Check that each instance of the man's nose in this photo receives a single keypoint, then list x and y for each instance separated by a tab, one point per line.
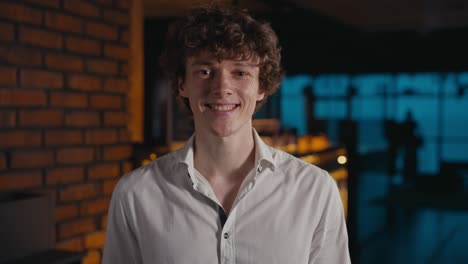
222	84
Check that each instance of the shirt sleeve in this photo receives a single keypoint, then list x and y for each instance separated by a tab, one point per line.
121	245
330	240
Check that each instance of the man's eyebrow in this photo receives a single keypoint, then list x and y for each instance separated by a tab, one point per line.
245	63
201	62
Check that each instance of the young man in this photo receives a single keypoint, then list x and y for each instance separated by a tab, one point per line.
225	197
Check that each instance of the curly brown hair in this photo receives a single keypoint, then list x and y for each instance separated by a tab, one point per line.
227	33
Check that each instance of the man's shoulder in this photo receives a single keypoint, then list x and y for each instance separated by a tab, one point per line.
147	175
287	160
304	171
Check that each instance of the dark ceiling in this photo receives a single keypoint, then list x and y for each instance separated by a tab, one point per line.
367	15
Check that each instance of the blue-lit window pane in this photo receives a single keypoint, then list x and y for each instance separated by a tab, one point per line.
428	158
420	84
368	108
456	118
455	151
371	136
293	115
330	85
372	85
330	109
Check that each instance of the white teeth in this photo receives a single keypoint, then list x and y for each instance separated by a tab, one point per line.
222	107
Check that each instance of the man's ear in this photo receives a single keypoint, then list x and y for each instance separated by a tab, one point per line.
260	96
181	87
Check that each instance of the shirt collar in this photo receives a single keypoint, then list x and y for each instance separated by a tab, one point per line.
263	154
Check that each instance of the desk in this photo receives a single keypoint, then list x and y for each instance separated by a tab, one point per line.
51	256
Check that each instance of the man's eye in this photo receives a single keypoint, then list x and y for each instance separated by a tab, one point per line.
204	73
241	73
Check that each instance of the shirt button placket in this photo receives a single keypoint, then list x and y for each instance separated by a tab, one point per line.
226	248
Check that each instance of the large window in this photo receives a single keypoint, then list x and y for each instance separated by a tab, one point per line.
436	102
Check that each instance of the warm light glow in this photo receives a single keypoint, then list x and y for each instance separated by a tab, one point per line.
342	159
153	156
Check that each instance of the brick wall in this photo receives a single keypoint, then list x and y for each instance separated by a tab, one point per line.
63	109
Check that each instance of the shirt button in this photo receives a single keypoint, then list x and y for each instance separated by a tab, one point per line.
226	235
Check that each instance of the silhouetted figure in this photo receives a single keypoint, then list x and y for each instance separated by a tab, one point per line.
410	142
394	141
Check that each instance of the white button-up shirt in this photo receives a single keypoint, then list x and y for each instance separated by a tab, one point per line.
287	211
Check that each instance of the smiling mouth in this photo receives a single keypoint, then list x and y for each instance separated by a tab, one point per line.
223	107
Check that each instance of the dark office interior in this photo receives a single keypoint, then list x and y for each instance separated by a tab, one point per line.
382	85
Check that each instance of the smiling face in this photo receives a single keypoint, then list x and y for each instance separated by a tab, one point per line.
222	94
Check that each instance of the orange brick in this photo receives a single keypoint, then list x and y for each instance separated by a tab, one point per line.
103	171
82	119
93	207
49	3
20	180
68	100
116	17
104	221
48	118
65	175
124	135
95	240
39	37
20	56
116	52
41	79
79	192
63	22
103	67
115	118
81	7
63	137
20	138
93	257
7	32
77	227
108	186
64	62
124	4
19	13
74	244
101	31
106	101
83	46
117	152
84	82
101	136
65	212
75	155
116	85
7	76
127	167
7	119
32	159
3	162
22	98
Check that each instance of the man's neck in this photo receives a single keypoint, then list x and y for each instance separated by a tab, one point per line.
229	158
225	162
